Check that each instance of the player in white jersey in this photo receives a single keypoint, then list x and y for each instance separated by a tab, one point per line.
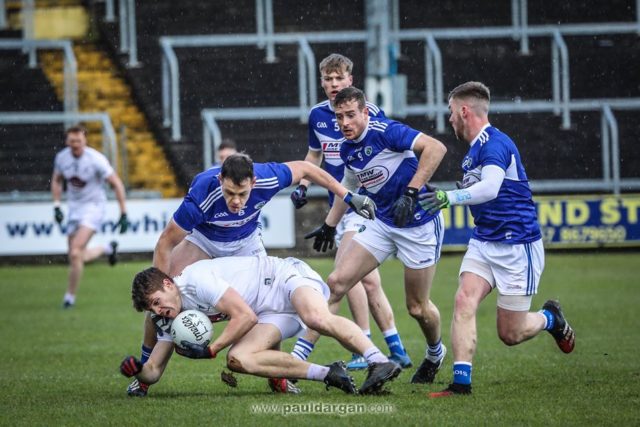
381	159
265	300
220	215
85	171
505	251
325	140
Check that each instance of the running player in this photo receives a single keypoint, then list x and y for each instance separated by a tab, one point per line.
505	251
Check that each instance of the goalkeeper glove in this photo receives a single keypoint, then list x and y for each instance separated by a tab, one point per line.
195	351
299	196
324	236
434	200
403	207
362	205
123	223
130	366
58	215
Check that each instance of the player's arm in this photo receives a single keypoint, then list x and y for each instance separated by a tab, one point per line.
153	369
303	170
169	239
491	179
315	158
118	188
56	193
241	320
430	151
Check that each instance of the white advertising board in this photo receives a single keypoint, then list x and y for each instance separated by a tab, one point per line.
29	228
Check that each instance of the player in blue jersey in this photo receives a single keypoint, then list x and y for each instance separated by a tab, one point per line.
505	251
381	159
220	216
325	140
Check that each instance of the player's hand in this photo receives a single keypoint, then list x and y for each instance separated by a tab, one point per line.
434	200
403	207
123	223
58	215
299	196
194	351
362	205
130	366
324	236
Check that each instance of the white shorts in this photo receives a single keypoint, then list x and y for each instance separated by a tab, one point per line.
88	214
249	246
350	222
514	269
288	275
417	247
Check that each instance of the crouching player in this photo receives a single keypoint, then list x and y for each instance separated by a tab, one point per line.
266	300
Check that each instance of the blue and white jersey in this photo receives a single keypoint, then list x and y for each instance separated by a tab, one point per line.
511	216
384	163
205	209
325	136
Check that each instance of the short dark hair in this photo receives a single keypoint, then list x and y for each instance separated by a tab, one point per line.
227	143
75	129
237	167
336	62
144	284
349	94
471	90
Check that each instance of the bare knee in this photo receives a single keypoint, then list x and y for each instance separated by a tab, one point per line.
76	253
417	309
239	362
337	284
316	322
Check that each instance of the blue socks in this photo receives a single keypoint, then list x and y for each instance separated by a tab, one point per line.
462	373
302	349
551	320
145	353
394	343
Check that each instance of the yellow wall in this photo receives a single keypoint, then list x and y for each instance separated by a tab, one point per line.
61	22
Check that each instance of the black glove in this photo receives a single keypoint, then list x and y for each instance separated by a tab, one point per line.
58	215
324	236
299	196
130	366
403	207
194	351
123	223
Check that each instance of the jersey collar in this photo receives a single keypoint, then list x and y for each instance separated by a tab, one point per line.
479	133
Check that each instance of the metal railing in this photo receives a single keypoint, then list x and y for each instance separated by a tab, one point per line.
110	142
306	73
610	145
70	65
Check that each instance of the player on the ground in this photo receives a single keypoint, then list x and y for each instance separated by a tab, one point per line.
325	140
265	300
85	171
381	158
505	251
220	217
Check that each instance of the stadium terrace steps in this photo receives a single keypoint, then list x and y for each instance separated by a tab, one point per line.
239	76
101	88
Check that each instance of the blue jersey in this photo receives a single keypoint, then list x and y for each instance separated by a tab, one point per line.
511	216
384	163
325	136
205	210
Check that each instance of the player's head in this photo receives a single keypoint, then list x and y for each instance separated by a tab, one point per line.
226	148
153	290
76	138
236	180
335	74
469	109
351	112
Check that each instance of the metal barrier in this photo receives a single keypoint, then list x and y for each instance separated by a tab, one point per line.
70	65
611	180
110	145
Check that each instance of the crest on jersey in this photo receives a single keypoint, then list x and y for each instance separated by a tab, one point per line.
368	150
260	205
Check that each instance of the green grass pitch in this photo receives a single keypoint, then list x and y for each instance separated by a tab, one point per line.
60	367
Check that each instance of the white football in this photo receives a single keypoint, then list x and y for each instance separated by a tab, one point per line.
192	326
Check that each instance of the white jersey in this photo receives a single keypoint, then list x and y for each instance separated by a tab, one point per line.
85	175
